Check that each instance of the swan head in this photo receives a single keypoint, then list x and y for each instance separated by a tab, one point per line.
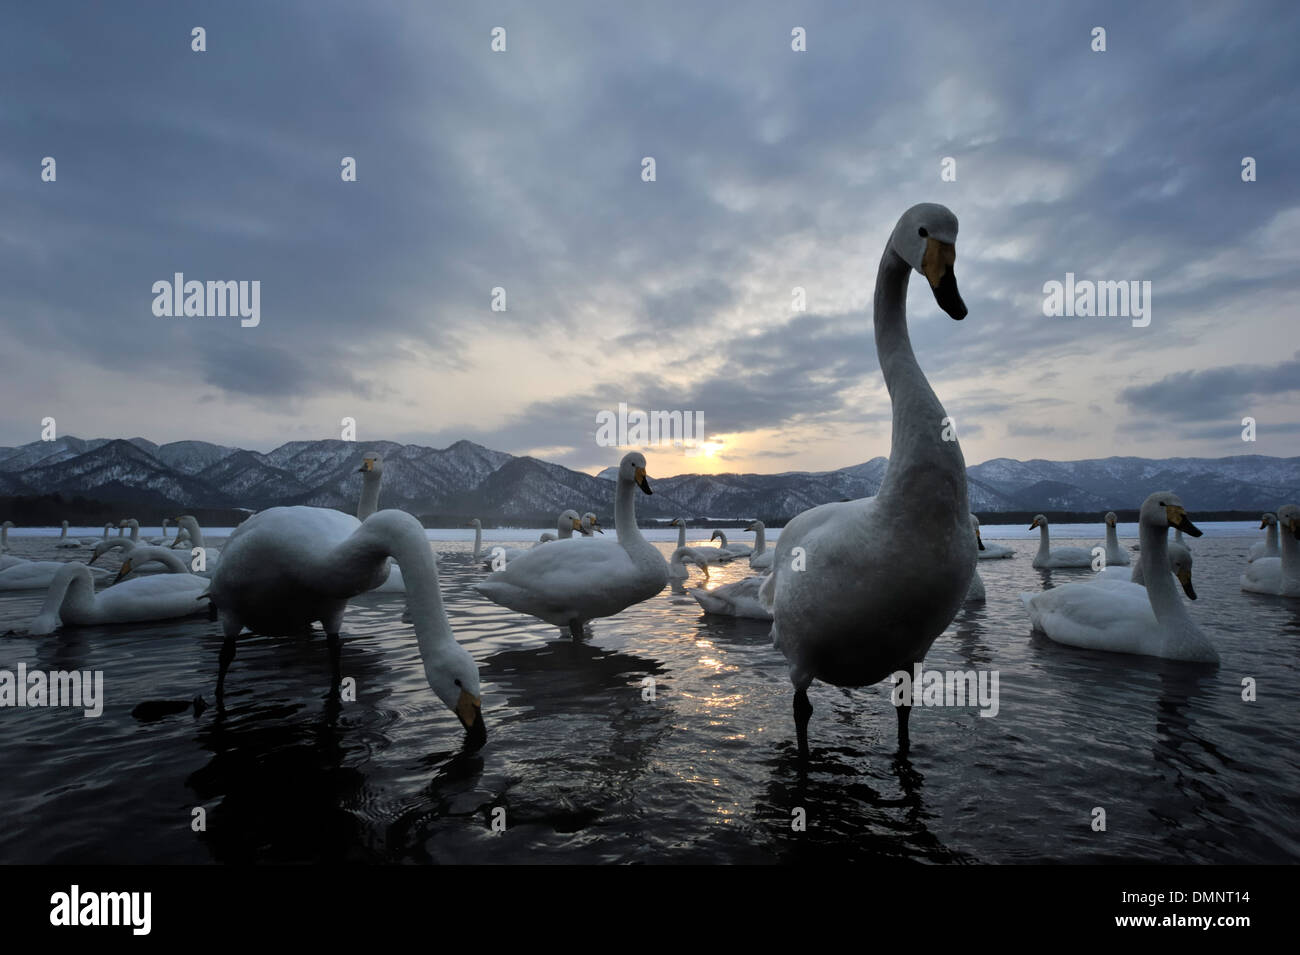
570	518
1111	518
8	524
975	526
1165	509
677	522
715	535
454	678
1268	520
926	239
755	527
474	523
1288	519
372	463
591	524
1180	562
1039	520
632	470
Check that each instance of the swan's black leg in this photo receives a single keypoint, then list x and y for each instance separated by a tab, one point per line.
802	711
575	629
336	671
227	658
904	714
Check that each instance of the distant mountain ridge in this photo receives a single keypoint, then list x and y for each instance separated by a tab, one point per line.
467	479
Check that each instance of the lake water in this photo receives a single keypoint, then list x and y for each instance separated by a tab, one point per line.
588	771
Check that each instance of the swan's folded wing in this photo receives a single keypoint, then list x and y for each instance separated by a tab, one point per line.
562	566
1103	615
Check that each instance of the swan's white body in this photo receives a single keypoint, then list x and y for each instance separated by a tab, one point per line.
565	525
1114	553
714	555
72	600
569	582
1277	576
1268	547
1108	614
1048	557
34	574
739	599
124	544
990	551
878	579
189	537
66	541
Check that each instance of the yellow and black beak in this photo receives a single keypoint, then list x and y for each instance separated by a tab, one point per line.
1185	578
980	541
469	710
577	524
1178	518
366	465
1033	523
642	482
1263	524
936	265
123	572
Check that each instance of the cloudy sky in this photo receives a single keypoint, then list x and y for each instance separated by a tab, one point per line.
522	170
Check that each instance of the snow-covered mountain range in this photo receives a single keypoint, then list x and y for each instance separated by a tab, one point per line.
467	479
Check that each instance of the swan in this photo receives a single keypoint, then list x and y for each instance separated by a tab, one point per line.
286	567
1124	617
677	572
72	600
1114	553
478	537
145	554
571	582
188	532
876	580
66	541
565	525
1268	547
1061	556
163	541
739	599
761	558
740	550
372	473
6	562
990	551
35	574
714	555
132	523
124	544
1180	565
591	525
91	541
1278	575
564	529
976	590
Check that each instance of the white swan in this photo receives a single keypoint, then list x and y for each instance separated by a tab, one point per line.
1125	617
66	541
124	544
976	591
571	582
72	600
591	525
1061	556
144	555
1278	575
163	541
740	550
565	525
1268	547
189	534
677	572
1180	565
4	548
990	551
372	473
134	525
879	579
286	567
714	555
35	574
478	537
739	599
761	558
1114	553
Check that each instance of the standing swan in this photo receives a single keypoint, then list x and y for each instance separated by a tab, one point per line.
567	583
1125	617
1114	553
1047	558
878	579
286	567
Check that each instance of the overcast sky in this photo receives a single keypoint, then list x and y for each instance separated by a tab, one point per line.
522	169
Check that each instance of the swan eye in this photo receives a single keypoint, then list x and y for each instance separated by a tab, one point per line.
457	682
922	233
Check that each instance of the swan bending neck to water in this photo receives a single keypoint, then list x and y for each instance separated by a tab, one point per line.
145	554
880	578
72	600
1268	547
677	572
1279	576
286	567
1124	617
1114	553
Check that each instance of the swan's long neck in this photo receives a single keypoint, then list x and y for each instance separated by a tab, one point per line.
681	533
73	588
1112	540
400	536
760	540
1044	542
1290	563
4	536
164	528
64	535
921	463
478	538
1270	538
196	534
161	555
1161	591
722	540
107	528
369	502
629	535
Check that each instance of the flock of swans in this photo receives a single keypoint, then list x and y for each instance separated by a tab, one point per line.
855	590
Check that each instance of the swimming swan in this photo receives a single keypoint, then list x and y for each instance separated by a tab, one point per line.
567	583
976	592
761	558
1279	576
992	551
66	541
878	579
740	550
72	601
1124	617
1061	556
1114	553
739	599
1268	547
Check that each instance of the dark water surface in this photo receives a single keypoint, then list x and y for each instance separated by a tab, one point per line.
588	771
